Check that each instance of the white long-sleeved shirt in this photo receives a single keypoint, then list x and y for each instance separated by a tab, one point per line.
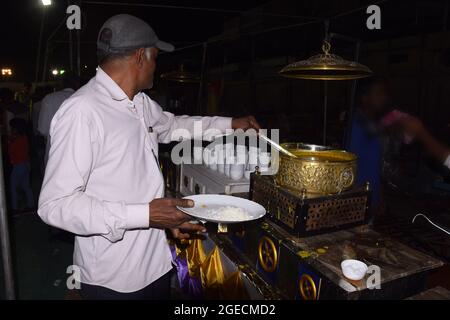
102	173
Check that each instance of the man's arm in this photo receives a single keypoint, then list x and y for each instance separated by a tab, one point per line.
63	202
415	127
195	127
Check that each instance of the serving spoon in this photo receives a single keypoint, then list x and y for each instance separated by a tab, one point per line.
268	140
277	146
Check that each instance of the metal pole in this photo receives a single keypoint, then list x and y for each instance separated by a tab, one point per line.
202	80
78	48
70	51
4	239
325	88
44	71
78	54
47	46
325	107
351	111
38	56
70	45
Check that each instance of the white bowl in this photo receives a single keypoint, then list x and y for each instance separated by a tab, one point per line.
354	269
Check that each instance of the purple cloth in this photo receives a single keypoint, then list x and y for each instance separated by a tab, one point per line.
195	289
189	285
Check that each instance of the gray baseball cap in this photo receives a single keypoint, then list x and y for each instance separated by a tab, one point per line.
124	32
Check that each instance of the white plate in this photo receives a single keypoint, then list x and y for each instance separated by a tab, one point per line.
205	203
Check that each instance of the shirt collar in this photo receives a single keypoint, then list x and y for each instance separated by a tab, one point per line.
113	89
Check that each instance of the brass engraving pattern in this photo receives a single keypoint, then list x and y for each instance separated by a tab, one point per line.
316	177
275	203
332	212
335	212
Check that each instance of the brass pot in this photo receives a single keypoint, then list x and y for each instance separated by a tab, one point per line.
317	169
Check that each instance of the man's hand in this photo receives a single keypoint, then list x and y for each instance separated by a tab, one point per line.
412	126
245	123
164	214
178	234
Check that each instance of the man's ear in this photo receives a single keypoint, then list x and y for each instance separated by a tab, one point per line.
140	56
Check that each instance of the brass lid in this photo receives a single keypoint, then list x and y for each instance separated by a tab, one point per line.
181	75
326	66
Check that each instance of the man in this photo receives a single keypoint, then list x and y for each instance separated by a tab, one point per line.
103	181
365	142
50	105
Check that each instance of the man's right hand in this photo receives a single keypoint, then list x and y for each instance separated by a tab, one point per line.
165	214
413	126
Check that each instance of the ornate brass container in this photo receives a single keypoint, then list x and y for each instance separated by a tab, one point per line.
317	169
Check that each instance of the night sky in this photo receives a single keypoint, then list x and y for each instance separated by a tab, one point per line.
21	19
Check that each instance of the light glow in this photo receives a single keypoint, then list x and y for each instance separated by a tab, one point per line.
46	2
6	72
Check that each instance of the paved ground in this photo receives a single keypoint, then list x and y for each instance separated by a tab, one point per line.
40	259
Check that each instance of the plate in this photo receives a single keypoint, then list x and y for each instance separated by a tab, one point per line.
207	204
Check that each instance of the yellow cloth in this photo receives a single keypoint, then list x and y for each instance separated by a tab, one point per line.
233	288
212	276
180	247
195	256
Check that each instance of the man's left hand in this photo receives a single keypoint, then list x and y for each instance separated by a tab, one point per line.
245	123
177	233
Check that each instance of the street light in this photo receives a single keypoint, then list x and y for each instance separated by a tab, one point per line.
58	72
45	3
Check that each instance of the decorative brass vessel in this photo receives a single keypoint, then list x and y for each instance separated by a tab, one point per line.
326	66
317	169
181	75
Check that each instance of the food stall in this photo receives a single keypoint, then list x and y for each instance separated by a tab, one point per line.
315	240
316	217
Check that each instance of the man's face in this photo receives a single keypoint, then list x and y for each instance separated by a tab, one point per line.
147	68
377	101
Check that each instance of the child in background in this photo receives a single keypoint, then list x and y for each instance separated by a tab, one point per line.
20	161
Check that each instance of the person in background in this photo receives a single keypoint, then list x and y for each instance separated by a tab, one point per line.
365	139
50	105
38	96
12	109
38	143
415	128
24	96
18	154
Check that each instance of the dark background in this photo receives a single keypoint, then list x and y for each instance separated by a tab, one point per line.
249	43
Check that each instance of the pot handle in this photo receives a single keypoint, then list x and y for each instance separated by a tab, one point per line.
345	179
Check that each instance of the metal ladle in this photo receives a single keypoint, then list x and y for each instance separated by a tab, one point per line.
277	146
